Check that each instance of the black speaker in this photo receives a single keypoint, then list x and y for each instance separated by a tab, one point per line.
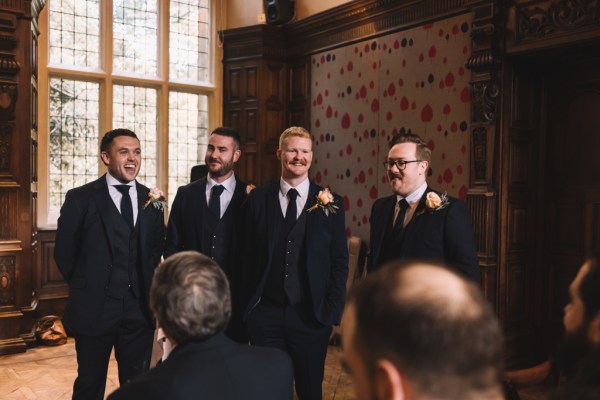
278	12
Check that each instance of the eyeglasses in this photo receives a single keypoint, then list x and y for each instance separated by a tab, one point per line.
400	164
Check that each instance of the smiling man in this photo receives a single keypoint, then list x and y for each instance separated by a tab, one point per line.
296	263
107	247
208	215
416	222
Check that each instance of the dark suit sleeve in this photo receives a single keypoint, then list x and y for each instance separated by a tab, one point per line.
338	259
459	241
372	241
174	242
68	235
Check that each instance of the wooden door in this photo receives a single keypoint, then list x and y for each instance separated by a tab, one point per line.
571	183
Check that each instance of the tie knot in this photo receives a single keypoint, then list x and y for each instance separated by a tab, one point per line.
124	189
403	204
217	190
293	194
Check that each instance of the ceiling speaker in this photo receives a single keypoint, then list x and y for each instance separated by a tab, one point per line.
278	12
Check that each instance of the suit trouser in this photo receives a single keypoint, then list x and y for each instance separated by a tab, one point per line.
293	329
128	331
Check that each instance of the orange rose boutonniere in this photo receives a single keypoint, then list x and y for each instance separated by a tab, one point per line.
157	198
326	201
435	202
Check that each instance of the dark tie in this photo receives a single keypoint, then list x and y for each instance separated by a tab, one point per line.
290	213
399	223
214	205
126	207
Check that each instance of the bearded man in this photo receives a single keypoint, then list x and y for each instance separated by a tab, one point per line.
208	215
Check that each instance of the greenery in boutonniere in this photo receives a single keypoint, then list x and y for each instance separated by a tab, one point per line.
157	198
326	201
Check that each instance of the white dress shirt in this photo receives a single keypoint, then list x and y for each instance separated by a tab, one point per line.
300	200
116	196
226	196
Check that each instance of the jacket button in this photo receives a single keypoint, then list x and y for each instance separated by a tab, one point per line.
106	287
109	266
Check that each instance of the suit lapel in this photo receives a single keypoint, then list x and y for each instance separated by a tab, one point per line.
386	217
416	217
273	207
239	195
142	219
107	214
313	191
197	205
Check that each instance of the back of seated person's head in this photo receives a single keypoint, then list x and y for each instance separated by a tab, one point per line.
430	326
190	297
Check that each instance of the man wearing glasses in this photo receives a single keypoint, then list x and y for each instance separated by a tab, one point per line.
416	222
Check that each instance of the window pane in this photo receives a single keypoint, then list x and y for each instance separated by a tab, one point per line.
135	108
189	39
73	144
74	32
135	33
188	137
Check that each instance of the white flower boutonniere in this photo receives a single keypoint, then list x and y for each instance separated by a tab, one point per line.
157	198
435	202
326	201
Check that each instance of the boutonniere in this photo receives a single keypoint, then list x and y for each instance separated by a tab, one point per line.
326	201
249	187
157	198
435	202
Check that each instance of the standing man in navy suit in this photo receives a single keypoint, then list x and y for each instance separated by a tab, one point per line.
208	215
416	222
296	263
108	241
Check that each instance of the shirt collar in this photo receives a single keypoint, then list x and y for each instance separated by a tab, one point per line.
228	184
112	181
301	188
415	196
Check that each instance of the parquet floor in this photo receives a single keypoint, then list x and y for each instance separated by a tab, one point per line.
48	373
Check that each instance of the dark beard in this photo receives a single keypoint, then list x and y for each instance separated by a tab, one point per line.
573	350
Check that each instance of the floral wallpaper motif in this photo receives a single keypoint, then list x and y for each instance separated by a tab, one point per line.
363	94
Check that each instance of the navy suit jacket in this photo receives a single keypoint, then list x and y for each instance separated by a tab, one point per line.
443	235
184	230
84	249
214	369
325	246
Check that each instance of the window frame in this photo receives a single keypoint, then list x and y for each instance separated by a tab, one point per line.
106	78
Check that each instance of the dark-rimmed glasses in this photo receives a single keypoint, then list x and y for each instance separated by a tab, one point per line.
400	164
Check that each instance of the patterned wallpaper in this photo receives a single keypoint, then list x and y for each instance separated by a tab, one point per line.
363	94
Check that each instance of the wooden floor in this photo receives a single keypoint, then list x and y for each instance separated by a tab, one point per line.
48	373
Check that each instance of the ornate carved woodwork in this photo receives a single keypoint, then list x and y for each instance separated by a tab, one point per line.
18	297
547	23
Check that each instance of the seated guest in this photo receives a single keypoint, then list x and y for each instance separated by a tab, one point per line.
421	331
191	301
578	357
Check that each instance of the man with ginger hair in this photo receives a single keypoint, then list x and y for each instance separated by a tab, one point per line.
420	331
296	263
417	222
